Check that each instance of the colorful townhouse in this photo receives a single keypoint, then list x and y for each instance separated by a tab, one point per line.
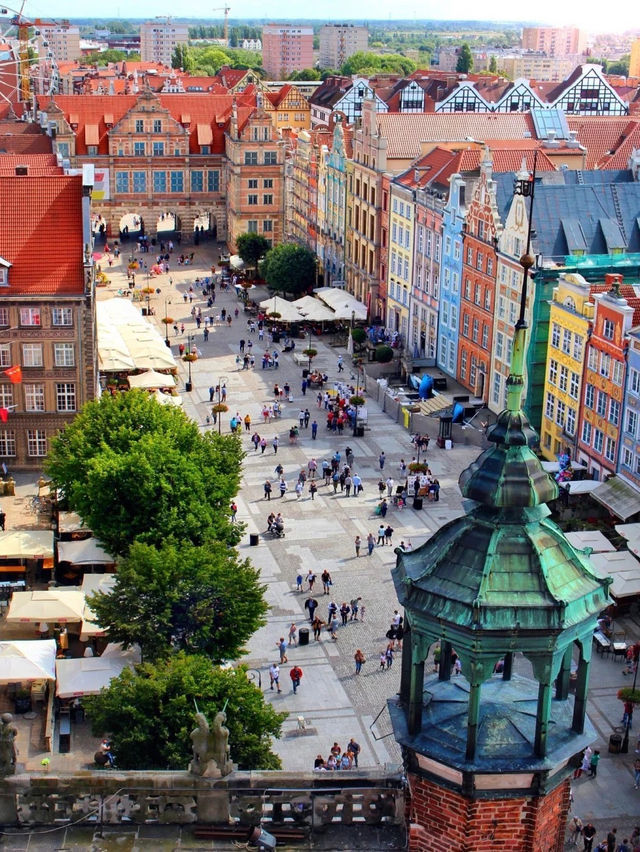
332	203
629	461
453	218
570	322
401	236
599	426
483	229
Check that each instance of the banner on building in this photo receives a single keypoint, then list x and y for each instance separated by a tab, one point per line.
100	183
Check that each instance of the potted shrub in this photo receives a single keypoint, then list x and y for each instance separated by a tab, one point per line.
358	335
190	356
220	408
417	467
168	320
357	400
274	315
22	700
148	290
384	354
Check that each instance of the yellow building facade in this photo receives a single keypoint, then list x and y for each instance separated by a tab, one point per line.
571	313
400	276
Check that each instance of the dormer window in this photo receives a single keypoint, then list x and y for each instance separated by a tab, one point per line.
4	272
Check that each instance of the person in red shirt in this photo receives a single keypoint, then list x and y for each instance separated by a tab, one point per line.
295	674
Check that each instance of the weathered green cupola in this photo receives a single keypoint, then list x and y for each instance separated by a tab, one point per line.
499	580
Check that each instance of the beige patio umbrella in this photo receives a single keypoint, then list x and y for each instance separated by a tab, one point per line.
278	305
151	379
52	605
27	660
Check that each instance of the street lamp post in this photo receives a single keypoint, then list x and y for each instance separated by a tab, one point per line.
221	380
355	419
624	748
166	324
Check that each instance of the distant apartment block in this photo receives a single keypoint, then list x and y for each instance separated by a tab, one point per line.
554	41
286	48
58	41
634	61
340	41
159	38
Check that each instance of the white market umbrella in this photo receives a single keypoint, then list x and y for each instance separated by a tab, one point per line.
89	675
26	544
27	660
278	305
314	309
53	605
151	379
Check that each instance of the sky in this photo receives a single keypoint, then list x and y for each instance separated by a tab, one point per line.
550	12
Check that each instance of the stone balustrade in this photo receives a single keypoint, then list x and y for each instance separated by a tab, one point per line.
109	797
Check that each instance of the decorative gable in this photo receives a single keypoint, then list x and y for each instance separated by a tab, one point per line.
519	98
591	95
464	98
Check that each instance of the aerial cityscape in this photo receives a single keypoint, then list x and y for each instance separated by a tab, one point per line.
320	429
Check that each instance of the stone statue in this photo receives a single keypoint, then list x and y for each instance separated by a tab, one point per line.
8	734
211	757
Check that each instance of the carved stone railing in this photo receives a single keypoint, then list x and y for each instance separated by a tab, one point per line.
311	801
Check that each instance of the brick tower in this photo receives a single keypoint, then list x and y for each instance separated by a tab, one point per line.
487	755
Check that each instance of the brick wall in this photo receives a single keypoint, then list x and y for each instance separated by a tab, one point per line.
442	820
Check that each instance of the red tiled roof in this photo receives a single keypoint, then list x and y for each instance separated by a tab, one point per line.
38	164
41	233
19	137
601	135
212	110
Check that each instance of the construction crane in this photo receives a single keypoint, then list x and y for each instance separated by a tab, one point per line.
226	10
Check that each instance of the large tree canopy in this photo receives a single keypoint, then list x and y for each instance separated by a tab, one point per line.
134	469
251	247
150	713
197	599
465	59
372	63
289	268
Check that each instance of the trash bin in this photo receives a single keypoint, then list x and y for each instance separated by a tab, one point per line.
303	636
417	502
360	431
276	337
254	539
615	743
188	386
305	373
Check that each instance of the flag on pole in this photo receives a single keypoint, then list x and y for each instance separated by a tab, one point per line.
15	374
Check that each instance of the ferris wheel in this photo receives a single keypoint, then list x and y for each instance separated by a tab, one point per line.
27	63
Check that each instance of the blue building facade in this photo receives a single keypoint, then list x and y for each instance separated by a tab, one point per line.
451	277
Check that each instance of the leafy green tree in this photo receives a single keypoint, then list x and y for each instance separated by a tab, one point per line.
465	59
150	714
107	56
289	268
182	58
370	63
251	247
619	67
197	599
305	74
493	65
135	469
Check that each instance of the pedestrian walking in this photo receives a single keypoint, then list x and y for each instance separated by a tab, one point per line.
356	482
575	828
381	534
211	392
383	661
370	543
326	582
314	430
283	487
389	655
359	660
281	645
333	628
340	364
263	445
296	676
389	484
355	606
299	583
384	506
275	443
353	748
593	765
588	835
586	762
358	545
388	534
611	840
317	624
381	460
299	487
274	676
293	634
304	387
311	578
345	609
310	605
636	771
307	417
313	489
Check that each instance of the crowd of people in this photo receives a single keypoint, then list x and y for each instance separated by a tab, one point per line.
339	759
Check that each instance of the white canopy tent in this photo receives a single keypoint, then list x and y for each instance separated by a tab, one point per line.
69	522
27	660
168	398
579	486
26	544
314	310
344	305
91	584
89	551
278	305
594	539
127	341
623	567
52	605
151	379
89	675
